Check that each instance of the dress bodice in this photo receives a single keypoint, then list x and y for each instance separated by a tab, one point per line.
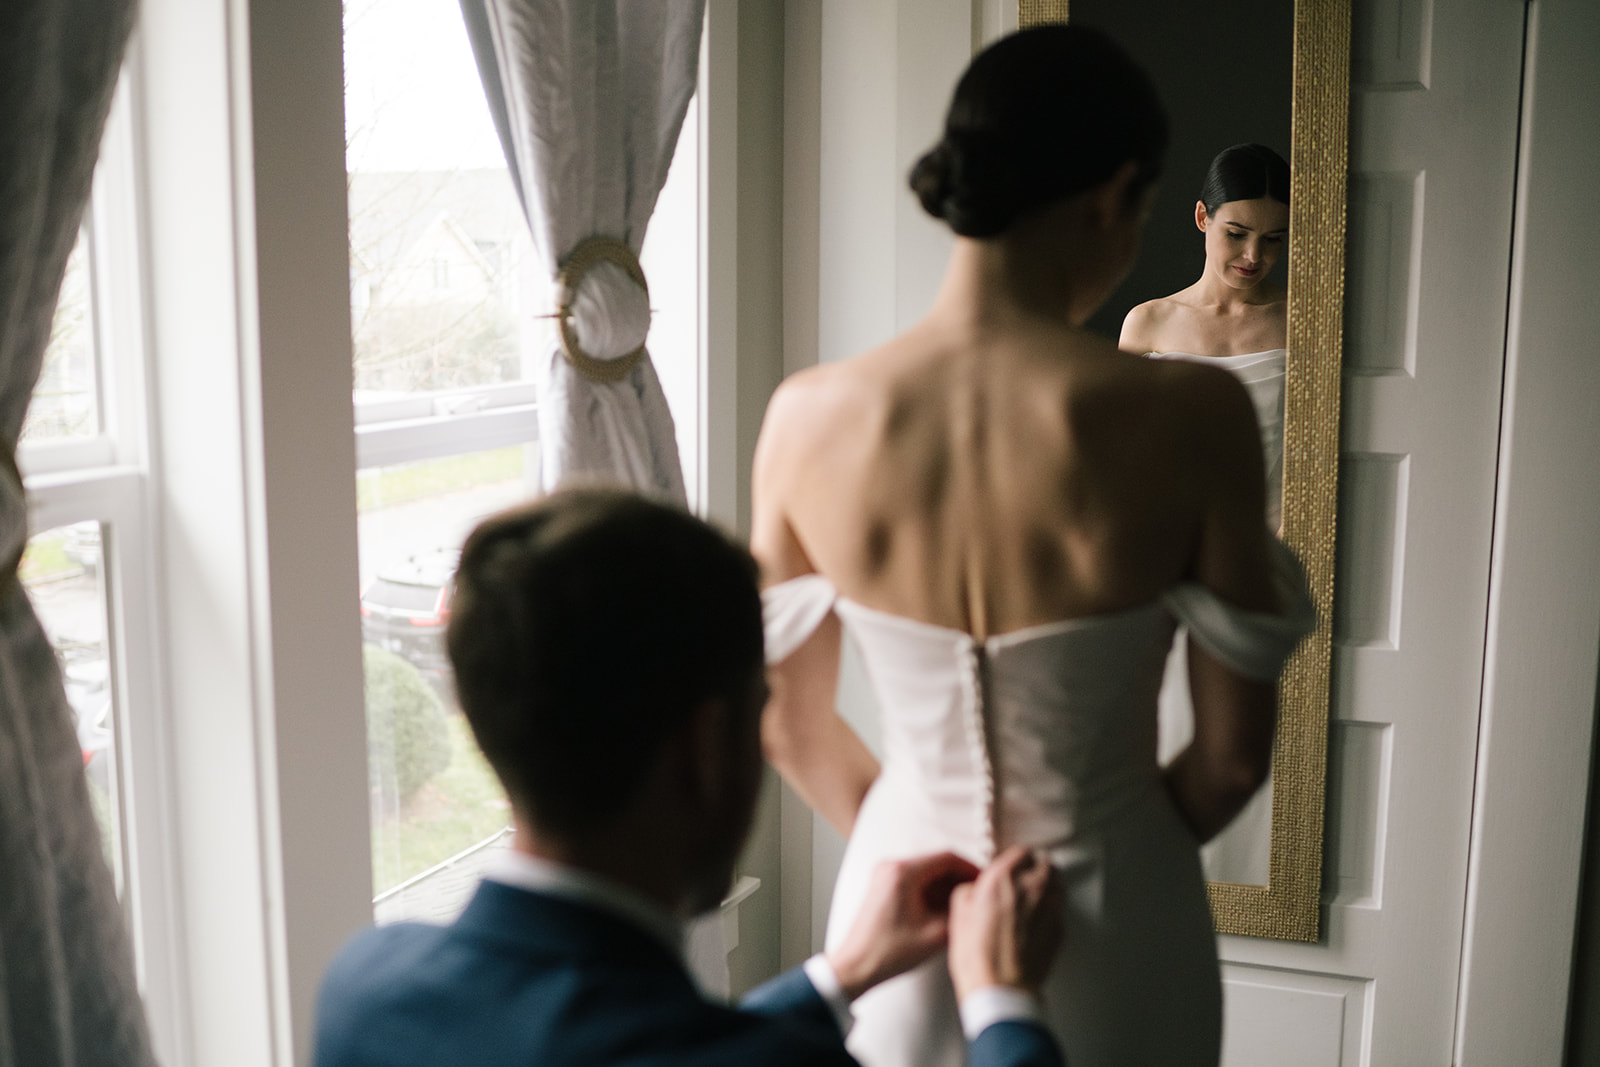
1039	735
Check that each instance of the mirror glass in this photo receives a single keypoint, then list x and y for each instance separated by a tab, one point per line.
1225	75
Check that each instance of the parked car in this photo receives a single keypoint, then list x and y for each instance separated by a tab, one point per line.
406	607
82	545
86	675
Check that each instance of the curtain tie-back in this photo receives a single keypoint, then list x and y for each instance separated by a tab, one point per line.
603	309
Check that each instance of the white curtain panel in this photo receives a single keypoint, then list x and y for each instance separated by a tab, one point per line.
67	991
588	97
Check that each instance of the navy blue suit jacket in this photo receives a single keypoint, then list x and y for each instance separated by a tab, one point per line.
530	979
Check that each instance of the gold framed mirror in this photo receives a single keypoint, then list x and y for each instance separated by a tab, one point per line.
1286	903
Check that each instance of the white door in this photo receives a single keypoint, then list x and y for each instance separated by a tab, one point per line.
1434	129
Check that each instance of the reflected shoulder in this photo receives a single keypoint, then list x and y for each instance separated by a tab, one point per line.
1142	325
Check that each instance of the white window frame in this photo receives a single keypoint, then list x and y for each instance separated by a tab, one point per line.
239	126
445	423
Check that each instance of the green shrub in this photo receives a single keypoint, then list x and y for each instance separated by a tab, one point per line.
408	737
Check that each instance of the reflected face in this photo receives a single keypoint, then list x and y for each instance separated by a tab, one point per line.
1244	240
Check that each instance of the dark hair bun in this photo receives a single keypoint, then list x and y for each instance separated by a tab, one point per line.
962	182
931	179
1037	117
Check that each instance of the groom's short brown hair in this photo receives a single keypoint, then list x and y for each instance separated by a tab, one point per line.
584	628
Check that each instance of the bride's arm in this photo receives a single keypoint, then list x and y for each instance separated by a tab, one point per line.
1234	716
804	738
1213	778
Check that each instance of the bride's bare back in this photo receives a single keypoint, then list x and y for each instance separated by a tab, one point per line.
991	477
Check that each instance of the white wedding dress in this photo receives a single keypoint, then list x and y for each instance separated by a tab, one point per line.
1242	853
1045	737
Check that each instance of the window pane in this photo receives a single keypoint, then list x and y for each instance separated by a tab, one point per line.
433	796
65	402
63	573
442	290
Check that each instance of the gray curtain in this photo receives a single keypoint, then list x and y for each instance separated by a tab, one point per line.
588	97
67	991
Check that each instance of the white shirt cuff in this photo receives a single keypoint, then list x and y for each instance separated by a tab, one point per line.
826	982
984	1007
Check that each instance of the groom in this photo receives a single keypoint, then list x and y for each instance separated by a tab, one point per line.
608	655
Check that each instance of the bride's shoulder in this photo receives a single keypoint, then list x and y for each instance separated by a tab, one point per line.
1155	312
807	404
1166	324
1144	325
845	389
1206	405
811	389
1192	384
1184	396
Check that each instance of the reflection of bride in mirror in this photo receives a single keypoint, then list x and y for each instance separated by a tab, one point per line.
1233	317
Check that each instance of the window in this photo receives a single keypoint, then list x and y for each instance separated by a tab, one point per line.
66	403
196	560
62	571
450	315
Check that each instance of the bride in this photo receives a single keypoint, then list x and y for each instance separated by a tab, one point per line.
1007	517
1234	317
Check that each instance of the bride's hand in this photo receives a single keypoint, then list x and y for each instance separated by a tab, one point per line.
1006	926
904	919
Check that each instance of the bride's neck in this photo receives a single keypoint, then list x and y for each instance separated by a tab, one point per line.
1017	275
1213	291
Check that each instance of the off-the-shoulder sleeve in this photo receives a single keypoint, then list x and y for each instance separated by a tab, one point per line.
791	611
1253	643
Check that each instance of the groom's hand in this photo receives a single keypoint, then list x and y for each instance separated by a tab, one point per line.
1006	926
904	919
